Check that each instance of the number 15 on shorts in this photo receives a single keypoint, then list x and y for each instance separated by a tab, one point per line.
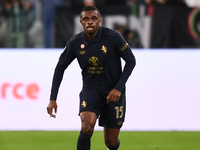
119	111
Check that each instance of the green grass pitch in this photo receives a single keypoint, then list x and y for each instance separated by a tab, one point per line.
130	140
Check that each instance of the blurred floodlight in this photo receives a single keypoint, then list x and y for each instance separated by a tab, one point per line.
193	3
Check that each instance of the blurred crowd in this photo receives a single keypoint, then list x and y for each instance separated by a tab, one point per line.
30	23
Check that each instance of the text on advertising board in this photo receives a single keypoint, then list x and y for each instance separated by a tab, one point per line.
19	90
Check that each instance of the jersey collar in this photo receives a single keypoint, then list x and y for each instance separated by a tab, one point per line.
97	38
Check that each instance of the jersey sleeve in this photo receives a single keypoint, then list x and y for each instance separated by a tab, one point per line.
125	52
65	59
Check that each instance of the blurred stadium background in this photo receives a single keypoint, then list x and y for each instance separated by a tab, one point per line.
143	23
163	95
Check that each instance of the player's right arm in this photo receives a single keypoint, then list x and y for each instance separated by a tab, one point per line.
52	107
65	59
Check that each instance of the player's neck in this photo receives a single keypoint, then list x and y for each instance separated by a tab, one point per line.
91	37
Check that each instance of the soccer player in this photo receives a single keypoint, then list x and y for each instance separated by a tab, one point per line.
99	51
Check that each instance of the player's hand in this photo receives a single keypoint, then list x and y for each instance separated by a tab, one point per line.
113	96
52	106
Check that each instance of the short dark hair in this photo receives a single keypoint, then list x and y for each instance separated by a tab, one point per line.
88	8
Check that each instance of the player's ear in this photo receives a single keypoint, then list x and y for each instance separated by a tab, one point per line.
80	21
99	20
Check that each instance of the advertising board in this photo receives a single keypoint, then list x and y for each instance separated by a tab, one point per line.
163	92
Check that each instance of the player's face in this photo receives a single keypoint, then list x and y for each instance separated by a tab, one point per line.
90	21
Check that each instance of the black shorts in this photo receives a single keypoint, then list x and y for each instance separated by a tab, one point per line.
110	115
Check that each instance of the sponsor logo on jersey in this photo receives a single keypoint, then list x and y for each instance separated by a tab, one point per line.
94	69
84	104
104	49
93	61
125	45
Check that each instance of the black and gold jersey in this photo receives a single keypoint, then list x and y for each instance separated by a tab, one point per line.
99	60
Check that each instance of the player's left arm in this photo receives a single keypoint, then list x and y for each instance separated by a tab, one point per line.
113	96
125	52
